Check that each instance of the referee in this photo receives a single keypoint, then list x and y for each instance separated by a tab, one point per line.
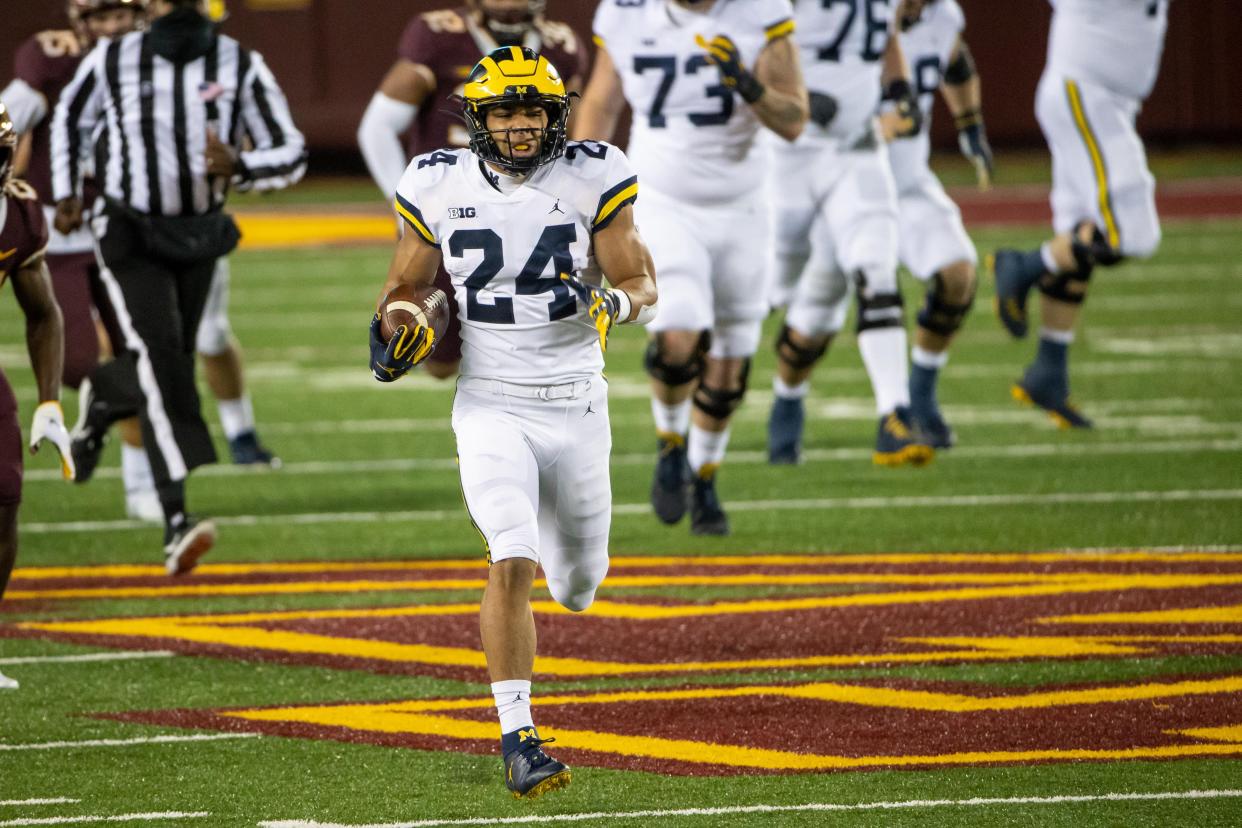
171	110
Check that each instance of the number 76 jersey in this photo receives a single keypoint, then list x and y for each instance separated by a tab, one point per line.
504	246
692	138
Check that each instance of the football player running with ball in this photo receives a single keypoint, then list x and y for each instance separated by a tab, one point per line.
703	78
1103	57
933	243
525	223
836	224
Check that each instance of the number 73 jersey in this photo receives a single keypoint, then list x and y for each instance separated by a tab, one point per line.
504	246
692	138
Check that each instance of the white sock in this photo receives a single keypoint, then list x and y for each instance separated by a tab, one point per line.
790	392
236	416
884	353
136	469
1061	337
928	359
512	704
671	418
706	448
1049	260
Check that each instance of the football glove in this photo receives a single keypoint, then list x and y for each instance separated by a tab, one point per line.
603	306
906	105
409	346
972	139
723	52
49	425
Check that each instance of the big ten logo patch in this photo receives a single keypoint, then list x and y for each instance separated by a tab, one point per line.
462	212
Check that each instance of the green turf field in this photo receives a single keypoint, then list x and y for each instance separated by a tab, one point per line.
369	476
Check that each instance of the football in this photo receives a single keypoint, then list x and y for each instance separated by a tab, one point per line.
414	305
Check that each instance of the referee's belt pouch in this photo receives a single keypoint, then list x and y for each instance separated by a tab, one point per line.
187	239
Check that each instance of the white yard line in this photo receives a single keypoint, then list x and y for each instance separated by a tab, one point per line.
908	804
71	659
851	455
82	820
60	800
142	740
815	504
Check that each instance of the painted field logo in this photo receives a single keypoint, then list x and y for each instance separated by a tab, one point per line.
952	659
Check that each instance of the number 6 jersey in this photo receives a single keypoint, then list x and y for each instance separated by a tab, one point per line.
504	247
692	138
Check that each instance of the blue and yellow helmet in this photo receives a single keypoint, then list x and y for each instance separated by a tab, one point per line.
512	75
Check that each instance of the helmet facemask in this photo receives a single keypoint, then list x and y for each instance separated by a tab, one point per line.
551	136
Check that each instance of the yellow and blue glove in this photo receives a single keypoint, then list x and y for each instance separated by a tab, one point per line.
906	105
604	306
723	52
408	346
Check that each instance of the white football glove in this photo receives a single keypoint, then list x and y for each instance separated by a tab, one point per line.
49	424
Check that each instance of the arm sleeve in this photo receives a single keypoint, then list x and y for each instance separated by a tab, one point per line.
379	138
26	105
279	155
76	115
620	187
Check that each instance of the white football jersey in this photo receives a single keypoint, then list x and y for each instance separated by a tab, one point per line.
1115	44
841	45
927	45
504	250
692	138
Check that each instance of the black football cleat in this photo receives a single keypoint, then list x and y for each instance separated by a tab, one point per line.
530	773
1053	398
785	424
707	517
930	425
90	434
186	543
248	451
669	486
1014	280
897	444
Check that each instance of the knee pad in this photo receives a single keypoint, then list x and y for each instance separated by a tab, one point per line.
1070	286
794	355
878	309
720	403
1096	251
939	315
670	373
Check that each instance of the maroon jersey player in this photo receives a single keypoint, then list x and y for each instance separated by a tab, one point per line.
436	53
23	238
43	65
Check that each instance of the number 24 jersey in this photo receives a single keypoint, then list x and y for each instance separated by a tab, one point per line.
504	248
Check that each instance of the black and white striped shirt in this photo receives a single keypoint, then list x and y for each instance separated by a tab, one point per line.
155	115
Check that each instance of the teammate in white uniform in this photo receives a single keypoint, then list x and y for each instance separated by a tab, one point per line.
1103	58
835	212
932	242
697	116
511	219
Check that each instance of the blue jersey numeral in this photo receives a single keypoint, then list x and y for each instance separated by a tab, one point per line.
667	65
875	18
553	246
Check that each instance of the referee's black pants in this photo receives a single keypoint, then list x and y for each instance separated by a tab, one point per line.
158	304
